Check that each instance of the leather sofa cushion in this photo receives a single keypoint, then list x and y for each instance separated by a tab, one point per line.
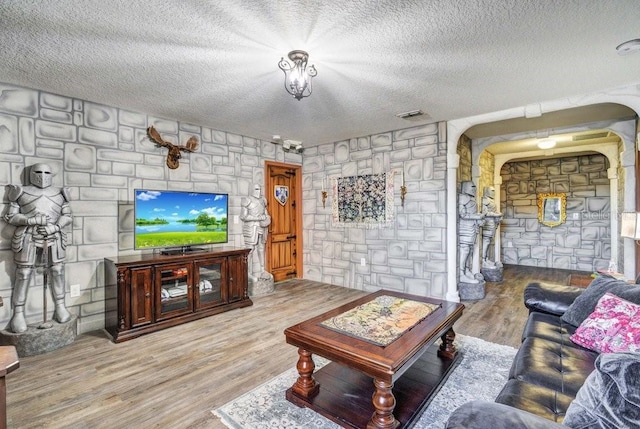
553	365
550	298
535	399
489	415
549	327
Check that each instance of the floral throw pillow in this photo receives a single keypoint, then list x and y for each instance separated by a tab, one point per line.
614	326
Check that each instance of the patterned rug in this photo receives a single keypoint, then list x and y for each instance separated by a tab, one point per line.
481	374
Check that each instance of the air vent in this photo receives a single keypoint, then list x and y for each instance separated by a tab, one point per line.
591	136
413	115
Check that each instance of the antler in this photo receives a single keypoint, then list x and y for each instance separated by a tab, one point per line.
192	144
174	150
157	138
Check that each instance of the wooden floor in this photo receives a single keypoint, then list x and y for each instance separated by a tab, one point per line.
174	378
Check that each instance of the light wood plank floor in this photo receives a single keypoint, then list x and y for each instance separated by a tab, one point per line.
174	378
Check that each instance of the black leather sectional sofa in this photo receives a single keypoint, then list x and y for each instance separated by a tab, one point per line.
546	374
549	368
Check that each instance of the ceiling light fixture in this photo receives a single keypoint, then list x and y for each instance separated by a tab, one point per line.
297	77
546	144
628	47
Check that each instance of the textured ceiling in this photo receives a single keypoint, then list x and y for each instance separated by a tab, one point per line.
214	63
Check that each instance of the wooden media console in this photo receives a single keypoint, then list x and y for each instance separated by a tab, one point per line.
148	292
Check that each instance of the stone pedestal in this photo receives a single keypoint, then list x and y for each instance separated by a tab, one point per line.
262	285
493	274
471	291
38	341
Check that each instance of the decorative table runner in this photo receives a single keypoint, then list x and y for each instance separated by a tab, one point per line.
382	320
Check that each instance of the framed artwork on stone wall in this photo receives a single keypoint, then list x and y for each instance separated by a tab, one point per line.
363	201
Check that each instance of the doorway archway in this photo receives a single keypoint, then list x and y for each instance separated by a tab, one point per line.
627	96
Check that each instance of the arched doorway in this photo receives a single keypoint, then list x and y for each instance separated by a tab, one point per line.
629	97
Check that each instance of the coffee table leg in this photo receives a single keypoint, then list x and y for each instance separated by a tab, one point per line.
305	386
384	402
447	349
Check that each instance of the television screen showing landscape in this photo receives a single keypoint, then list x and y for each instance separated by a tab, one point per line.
178	219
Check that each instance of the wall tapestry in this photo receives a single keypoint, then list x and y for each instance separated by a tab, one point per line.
363	201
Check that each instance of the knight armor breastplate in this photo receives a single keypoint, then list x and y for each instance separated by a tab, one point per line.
30	201
255	207
467	228
42	201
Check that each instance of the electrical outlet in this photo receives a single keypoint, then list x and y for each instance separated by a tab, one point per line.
75	291
363	262
509	244
236	219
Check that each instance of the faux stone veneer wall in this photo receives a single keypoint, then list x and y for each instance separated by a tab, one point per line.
102	154
583	242
410	256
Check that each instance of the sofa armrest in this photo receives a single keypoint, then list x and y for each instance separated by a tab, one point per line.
490	415
550	298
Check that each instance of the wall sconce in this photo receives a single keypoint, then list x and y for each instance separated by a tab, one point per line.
324	194
403	188
630	226
297	77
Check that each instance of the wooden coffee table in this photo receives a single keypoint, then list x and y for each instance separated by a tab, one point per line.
406	373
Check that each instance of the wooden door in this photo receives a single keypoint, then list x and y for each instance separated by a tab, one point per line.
284	203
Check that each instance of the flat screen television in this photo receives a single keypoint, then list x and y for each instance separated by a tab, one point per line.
179	220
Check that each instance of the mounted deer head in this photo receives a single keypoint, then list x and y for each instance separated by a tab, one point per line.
174	150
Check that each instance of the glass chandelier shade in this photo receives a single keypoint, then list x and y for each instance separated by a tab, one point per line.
297	76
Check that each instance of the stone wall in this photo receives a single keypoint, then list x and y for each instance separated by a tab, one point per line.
408	257
487	165
583	242
102	154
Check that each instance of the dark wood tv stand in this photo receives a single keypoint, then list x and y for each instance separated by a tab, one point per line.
148	292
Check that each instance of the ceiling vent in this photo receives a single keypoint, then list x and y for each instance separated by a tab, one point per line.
590	136
413	115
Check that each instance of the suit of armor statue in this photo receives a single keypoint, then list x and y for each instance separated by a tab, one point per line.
468	229
256	220
492	220
39	212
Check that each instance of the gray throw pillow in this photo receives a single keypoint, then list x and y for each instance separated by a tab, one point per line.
610	396
585	303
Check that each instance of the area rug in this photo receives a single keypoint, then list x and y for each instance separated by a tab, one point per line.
481	374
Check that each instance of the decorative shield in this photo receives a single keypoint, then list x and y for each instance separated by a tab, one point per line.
281	193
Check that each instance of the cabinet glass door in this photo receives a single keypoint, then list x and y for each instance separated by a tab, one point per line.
174	290
210	279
